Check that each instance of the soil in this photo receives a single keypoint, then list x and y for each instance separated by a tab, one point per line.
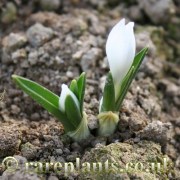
52	44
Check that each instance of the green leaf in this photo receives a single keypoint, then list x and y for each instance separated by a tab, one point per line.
130	76
108	103
125	85
81	83
45	98
72	111
74	88
139	58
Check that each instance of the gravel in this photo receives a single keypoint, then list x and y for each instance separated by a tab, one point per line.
39	34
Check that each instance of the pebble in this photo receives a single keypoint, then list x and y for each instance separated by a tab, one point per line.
72	157
18	55
69	74
14	41
35	117
15	109
59	151
50	5
60	159
90	58
157	132
10	140
92	122
76	147
38	34
66	151
137	121
29	151
77	55
33	57
99	141
158	11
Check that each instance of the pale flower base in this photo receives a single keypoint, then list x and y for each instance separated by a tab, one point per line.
82	132
108	122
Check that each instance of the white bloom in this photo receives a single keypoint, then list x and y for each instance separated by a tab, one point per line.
64	93
120	50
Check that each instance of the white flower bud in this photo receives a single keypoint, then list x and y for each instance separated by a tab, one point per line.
120	50
64	93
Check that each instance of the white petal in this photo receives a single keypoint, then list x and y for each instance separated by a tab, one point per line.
120	50
64	92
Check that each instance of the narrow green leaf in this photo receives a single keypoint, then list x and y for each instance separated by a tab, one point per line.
124	88
130	76
45	98
72	111
139	58
74	88
108	103
81	83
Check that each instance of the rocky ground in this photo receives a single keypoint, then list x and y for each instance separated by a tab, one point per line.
53	43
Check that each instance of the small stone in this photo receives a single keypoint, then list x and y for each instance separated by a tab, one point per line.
59	151
150	105
9	141
15	109
66	151
58	143
36	142
172	90
21	160
77	55
137	121
72	157
143	37
58	60
159	11
50	5
33	58
60	159
39	34
156	131
46	79
19	55
90	58
99	141
35	117
92	122
29	151
14	41
24	64
47	137
69	74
